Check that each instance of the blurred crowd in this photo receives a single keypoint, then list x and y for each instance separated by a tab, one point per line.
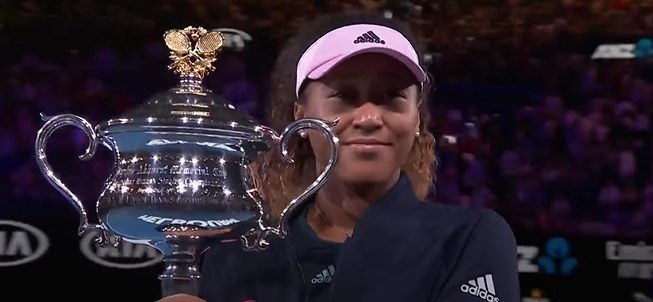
527	123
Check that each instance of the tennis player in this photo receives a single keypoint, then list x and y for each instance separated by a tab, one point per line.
367	235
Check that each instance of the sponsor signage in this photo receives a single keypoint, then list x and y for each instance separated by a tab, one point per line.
527	259
126	256
209	223
556	258
634	261
21	243
643	48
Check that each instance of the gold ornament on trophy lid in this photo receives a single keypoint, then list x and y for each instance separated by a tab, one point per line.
192	51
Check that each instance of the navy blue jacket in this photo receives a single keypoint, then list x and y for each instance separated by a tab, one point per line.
403	249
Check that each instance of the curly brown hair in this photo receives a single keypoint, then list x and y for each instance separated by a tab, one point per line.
279	182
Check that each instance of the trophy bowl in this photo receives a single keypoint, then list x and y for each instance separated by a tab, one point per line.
182	168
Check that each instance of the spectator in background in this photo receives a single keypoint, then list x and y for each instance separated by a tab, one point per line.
570	151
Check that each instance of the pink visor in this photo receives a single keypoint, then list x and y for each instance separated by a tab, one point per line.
345	42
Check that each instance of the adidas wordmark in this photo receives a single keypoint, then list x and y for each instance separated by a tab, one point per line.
325	276
482	287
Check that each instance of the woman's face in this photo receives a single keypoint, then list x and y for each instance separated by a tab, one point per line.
375	98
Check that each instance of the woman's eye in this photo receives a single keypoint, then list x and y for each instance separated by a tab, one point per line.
395	95
344	96
336	94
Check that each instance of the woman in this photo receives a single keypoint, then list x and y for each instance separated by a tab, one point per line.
366	235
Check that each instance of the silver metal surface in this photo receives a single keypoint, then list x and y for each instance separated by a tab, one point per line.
181	172
182	169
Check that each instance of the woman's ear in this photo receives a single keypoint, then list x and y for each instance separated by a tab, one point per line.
418	118
298	111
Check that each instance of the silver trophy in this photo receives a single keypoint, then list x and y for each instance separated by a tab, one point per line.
183	167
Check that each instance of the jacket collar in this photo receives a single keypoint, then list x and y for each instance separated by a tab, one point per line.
379	218
400	193
399	199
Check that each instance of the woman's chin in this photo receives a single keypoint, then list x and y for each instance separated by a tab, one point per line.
363	175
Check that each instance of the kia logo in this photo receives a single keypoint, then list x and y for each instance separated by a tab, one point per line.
21	243
126	256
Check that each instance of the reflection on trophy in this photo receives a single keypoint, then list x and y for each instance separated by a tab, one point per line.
182	167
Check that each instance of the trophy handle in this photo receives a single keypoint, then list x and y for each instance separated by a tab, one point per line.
51	125
255	238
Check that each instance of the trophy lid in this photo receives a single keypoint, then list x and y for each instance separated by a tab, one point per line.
189	107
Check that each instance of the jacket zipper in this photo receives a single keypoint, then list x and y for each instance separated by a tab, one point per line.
304	287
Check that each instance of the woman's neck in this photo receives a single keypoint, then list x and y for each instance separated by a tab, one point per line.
339	205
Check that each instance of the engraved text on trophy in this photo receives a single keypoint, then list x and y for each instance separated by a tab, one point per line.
167	179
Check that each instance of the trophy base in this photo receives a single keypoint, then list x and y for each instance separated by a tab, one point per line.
181	275
179	278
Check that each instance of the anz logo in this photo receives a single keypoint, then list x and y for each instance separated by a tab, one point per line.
556	258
